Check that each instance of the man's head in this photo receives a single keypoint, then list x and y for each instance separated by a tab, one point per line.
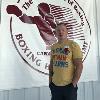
61	31
43	9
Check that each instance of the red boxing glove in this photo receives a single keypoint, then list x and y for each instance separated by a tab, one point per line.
12	9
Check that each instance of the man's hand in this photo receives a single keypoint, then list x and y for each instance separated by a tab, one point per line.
74	84
50	79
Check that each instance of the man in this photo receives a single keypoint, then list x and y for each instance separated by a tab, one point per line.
45	22
65	66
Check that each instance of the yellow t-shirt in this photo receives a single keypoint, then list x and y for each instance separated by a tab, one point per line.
62	55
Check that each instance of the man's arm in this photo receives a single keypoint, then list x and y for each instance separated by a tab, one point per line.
27	19
13	9
50	71
79	67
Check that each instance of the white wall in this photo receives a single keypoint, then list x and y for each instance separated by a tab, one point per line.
86	91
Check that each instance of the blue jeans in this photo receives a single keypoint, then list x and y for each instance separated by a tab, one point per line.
68	92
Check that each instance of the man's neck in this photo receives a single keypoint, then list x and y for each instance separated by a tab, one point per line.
61	41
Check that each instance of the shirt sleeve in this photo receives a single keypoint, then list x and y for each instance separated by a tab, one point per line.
76	51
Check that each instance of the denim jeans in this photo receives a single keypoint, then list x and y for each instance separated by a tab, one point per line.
68	92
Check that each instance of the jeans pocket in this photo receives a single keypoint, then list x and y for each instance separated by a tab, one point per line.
74	86
49	85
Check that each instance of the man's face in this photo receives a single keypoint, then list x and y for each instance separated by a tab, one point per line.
43	9
61	32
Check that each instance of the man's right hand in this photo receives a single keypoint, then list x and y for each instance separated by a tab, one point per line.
12	9
50	79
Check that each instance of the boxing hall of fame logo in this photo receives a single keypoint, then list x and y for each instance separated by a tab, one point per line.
32	27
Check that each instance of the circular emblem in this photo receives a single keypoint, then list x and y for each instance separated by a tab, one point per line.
32	25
